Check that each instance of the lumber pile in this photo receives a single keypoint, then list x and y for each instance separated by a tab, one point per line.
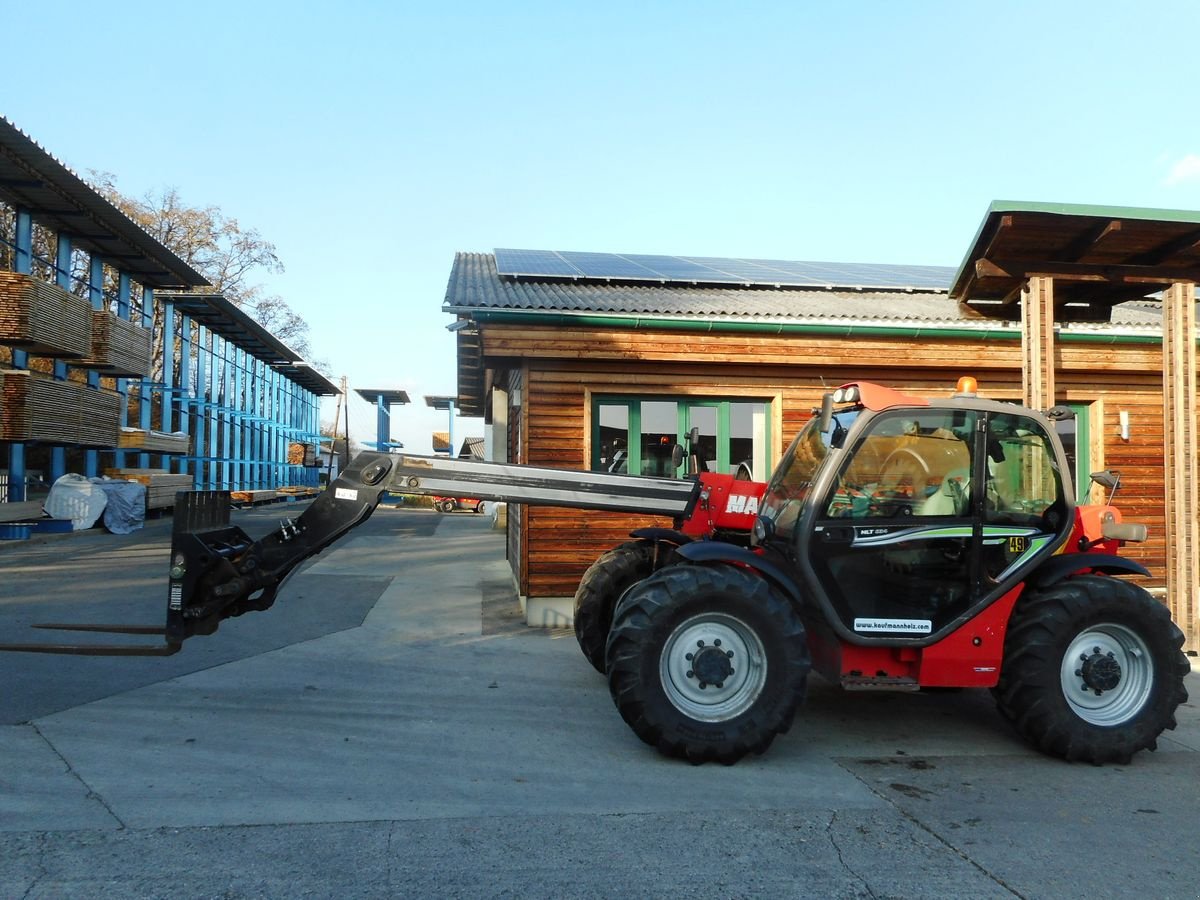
297	491
252	497
119	348
43	318
152	441
161	487
21	512
35	407
300	454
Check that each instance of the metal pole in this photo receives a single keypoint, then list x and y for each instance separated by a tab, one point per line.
23	264
91	460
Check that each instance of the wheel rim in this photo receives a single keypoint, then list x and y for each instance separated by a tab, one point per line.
1107	674
713	667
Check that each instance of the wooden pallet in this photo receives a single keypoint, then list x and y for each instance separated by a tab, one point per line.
43	318
35	407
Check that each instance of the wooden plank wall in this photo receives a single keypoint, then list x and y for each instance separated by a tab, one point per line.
565	367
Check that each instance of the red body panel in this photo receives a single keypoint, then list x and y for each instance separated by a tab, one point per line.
725	504
969	657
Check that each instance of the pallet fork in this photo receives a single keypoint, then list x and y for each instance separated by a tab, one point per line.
218	571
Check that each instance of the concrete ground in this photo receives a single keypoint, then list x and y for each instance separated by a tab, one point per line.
391	727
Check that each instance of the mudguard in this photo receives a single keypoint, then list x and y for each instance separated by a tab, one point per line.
719	551
1057	568
663	535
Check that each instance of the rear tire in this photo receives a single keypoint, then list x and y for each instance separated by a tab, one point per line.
707	662
602	586
446	506
1093	670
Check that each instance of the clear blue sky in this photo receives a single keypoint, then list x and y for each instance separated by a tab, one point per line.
370	141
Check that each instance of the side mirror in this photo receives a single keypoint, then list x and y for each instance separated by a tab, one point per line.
1108	479
676	456
826	412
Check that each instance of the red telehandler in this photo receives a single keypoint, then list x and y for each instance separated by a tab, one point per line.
901	544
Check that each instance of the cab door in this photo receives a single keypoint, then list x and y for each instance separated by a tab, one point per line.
894	542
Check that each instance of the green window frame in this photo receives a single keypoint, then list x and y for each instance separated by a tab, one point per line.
716	432
1076	437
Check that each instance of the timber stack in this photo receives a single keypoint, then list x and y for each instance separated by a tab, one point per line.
149	441
119	348
161	486
43	318
34	407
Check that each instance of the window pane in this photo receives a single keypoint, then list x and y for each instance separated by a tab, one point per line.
660	431
1023	479
705	448
914	464
614	438
748	438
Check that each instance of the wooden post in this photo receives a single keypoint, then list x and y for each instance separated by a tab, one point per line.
1179	462
1037	342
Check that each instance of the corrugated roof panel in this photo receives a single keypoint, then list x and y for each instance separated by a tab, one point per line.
475	284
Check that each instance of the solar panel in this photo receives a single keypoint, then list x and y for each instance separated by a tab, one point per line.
718	270
609	265
534	262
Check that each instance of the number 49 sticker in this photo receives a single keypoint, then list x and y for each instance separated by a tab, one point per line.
1018	544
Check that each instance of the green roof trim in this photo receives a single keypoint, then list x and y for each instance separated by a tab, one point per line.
1145	213
997	333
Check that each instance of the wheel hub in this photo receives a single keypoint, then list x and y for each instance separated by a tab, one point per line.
711	664
713	667
1107	674
1100	672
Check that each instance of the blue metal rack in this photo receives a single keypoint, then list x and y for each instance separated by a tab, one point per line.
237	400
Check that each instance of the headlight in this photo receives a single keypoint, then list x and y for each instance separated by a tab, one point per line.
762	530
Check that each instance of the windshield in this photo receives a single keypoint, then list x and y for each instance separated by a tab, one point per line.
790	485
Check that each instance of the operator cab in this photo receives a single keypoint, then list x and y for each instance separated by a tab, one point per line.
905	516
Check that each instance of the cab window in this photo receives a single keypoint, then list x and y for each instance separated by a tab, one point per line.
910	464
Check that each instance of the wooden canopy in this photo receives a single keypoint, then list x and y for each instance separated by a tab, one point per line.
1098	256
1048	263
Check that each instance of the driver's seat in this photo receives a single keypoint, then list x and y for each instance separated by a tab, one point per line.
951	498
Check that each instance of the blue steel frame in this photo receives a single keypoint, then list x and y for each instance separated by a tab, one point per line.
240	412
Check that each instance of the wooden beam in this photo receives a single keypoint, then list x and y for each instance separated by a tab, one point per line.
1004	224
1089	240
1037	343
1117	274
1181	468
985	268
1181	244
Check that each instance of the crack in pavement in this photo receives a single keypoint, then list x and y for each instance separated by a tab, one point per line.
841	859
886	798
91	794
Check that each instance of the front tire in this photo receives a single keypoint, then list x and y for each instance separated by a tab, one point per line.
601	587
1093	670
707	662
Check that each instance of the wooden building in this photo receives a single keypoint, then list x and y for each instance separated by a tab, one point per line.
598	361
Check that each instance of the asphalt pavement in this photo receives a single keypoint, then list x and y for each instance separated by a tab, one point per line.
393	728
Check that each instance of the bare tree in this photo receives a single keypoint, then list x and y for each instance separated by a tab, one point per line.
219	248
